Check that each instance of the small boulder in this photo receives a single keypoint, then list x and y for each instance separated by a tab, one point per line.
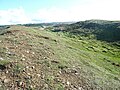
1	58
3	77
7	80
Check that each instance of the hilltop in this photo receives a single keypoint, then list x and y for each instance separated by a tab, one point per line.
74	58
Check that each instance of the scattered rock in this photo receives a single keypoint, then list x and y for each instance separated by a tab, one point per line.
28	77
20	83
60	72
74	71
33	52
7	80
1	58
27	67
16	46
57	79
23	59
63	81
31	86
38	75
24	70
33	67
7	71
45	57
28	73
80	88
46	86
10	53
23	55
54	61
6	48
27	52
68	83
73	66
3	77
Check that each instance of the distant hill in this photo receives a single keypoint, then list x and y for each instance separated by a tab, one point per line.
101	29
46	24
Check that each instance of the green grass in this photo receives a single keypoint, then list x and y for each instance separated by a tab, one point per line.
4	62
17	68
94	57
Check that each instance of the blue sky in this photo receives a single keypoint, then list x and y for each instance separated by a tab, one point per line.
34	5
36	11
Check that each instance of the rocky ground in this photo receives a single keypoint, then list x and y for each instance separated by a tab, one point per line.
28	62
27	65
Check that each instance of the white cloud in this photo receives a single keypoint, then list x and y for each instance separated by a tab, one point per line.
91	9
103	9
13	16
96	9
53	15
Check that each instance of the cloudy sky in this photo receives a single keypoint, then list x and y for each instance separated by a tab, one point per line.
36	11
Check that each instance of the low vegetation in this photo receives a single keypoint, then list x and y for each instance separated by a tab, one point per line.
32	59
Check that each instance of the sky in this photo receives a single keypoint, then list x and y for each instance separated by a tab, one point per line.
39	11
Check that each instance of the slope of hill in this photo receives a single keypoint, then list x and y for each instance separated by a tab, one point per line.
100	29
35	59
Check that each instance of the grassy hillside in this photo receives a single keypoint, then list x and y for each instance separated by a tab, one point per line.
34	59
99	29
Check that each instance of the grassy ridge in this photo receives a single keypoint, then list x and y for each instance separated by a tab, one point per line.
53	60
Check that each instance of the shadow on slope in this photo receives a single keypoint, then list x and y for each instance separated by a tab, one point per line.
101	30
